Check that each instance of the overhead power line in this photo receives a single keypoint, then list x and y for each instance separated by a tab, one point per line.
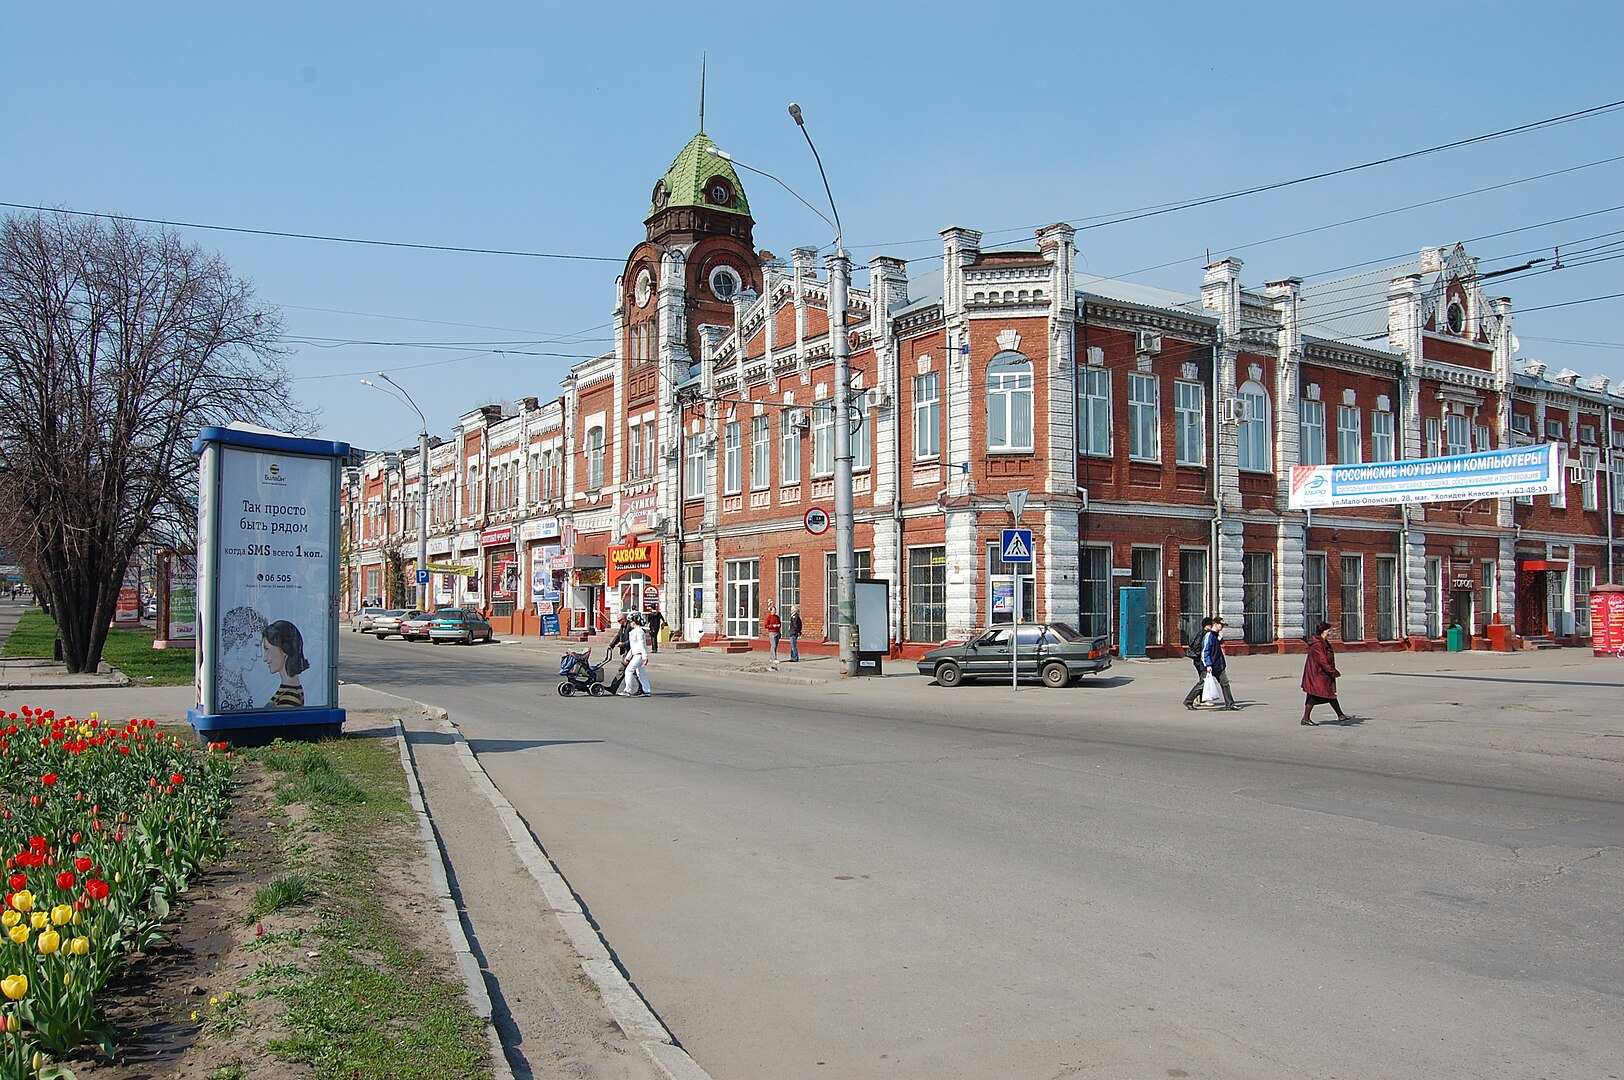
316	236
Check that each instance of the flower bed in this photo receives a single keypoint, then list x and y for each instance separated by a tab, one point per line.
102	827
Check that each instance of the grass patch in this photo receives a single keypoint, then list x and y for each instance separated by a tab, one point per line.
286	891
130	651
311	776
369	1008
34	636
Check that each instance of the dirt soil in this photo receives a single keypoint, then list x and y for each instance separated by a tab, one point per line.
211	950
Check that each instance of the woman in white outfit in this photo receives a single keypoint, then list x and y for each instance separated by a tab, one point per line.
637	660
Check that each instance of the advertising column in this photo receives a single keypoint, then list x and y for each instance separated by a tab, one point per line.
267	572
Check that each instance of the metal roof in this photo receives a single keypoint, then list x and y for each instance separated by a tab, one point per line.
1354	308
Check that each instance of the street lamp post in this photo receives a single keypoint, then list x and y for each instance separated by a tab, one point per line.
422	484
840	348
845	557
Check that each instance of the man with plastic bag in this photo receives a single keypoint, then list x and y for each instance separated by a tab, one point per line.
1212	666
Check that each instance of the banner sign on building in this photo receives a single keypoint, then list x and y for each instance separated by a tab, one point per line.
180	578
268	585
1488	474
640	558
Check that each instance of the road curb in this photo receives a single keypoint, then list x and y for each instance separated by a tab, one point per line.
472	976
630	1012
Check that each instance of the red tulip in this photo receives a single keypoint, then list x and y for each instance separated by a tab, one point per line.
177	779
48	779
83	865
17	881
65	880
97	889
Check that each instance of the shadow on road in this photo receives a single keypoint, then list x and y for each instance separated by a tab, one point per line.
508	746
1497	678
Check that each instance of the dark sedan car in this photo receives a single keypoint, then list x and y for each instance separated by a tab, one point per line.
1053	652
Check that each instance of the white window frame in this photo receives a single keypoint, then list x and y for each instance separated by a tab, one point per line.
1383	446
761	452
1189	423
694	482
927	416
732	458
1144	417
1352	594
1350	441
823	438
1094	412
1310	432
1457	434
1256	447
1009	404
1589	463
594	458
1435	439
789	448
862	431
634	451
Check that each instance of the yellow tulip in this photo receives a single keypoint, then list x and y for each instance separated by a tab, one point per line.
22	900
39	920
18	935
62	914
67	980
214	1001
38	1061
10	918
78	918
79	946
118	876
14	986
49	941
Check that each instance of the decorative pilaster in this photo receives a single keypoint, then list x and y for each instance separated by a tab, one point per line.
1059	595
1221	294
1292	537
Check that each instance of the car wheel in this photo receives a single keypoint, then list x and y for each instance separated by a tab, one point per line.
434	641
949	674
1055	675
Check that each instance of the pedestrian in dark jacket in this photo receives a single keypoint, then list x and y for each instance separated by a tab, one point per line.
1214	663
792	629
1196	646
655	620
622	638
1320	675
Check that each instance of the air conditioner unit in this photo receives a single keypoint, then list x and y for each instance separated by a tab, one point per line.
1147	341
800	418
1237	411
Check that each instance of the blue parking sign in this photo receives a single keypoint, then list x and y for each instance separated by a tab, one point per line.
1017	545
422	577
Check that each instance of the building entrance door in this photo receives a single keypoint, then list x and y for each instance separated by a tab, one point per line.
1531	603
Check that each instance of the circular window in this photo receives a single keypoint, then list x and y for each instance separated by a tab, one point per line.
659	196
724	282
1456	316
719	191
644	287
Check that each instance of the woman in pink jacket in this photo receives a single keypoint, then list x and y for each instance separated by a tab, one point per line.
1320	675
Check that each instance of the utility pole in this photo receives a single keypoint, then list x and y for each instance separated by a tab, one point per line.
422	484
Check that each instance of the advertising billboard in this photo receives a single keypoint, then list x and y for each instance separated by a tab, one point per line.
267	581
1488	474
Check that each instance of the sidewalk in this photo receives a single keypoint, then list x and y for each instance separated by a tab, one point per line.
45	674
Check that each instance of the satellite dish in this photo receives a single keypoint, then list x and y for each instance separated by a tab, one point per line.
1516	345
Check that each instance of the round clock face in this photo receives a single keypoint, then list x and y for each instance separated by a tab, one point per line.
644	287
1456	316
659	194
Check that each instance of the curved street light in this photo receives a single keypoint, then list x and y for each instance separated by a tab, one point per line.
398	392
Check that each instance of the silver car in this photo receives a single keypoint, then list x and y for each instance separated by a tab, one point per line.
363	619
388	622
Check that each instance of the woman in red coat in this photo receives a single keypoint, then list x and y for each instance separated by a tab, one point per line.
1320	675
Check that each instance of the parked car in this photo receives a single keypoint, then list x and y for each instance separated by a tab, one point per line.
363	619
416	628
388	622
458	624
1053	652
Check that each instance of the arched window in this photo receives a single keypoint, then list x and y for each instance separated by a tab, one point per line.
594	458
1256	444
1009	402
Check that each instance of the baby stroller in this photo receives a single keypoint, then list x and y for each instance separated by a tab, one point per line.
580	674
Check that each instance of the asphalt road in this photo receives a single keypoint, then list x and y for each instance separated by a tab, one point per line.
890	879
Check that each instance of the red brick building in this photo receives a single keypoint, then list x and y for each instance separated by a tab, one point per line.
1153	431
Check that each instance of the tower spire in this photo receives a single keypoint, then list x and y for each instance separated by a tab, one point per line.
703	57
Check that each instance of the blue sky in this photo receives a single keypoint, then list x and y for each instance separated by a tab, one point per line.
542	128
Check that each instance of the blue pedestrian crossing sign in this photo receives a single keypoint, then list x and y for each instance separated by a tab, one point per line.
1018	545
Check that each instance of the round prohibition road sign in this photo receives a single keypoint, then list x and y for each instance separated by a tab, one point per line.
817	521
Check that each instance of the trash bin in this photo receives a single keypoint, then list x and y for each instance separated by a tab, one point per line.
1456	641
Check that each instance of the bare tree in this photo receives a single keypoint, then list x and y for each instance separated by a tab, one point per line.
117	345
